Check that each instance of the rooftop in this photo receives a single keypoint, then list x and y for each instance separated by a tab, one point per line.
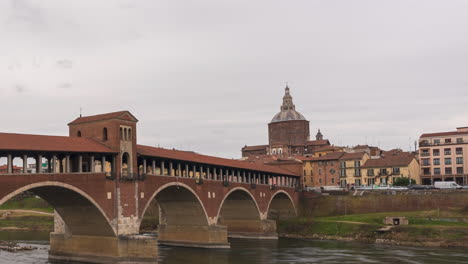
204	159
389	161
25	142
124	115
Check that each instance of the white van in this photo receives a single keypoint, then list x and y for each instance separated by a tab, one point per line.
447	185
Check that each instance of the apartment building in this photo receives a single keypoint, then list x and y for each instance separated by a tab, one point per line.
442	156
351	168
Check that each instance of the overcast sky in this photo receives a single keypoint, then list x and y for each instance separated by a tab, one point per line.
208	75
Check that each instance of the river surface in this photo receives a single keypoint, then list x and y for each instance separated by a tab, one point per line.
262	252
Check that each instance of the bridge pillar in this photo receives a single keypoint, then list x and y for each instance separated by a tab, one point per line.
252	229
100	249
208	236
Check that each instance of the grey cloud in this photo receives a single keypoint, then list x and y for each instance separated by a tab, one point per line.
209	75
64	64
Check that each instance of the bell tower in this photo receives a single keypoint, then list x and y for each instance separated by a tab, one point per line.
115	130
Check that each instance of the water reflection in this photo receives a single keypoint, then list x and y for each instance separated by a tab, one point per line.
269	251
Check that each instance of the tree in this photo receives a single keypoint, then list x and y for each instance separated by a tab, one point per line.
403	181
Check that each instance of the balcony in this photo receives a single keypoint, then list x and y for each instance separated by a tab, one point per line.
425	154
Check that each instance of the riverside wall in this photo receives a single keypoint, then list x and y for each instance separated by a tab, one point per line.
319	205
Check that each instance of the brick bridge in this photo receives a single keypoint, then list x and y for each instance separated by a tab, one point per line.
101	183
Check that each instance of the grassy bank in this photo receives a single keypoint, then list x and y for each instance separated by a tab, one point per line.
27	221
426	228
27	203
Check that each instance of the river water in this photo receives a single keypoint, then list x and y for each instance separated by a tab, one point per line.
263	252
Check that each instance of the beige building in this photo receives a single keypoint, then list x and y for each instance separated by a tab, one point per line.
442	156
384	171
351	168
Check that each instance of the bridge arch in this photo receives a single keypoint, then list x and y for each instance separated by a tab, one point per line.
80	212
281	206
178	204
238	204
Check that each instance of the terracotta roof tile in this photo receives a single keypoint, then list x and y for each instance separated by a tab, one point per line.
389	161
258	147
329	156
355	155
24	142
198	158
441	134
100	117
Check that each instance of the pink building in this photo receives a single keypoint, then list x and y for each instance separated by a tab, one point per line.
442	156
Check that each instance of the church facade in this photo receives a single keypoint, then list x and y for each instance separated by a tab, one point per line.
288	134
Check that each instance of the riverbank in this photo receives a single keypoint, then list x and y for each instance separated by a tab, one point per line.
26	220
433	228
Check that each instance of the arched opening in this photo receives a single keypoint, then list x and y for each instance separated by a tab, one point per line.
126	167
173	205
238	205
80	213
281	207
78	134
104	134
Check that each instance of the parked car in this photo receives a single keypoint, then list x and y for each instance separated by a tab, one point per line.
421	187
399	188
465	186
447	185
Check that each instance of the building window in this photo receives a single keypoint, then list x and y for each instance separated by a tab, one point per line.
425	162
459	160
304	172
459	140
332	163
320	171
448	140
460	170
320	163
357	163
425	153
436	141
370	172
78	134
383	172
121	133
459	151
448	171
448	161
427	171
436	171
320	181
436	152
357	172
129	134
311	172
332	180
447	151
396	171
343	164
436	161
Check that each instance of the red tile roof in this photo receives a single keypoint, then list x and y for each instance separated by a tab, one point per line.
441	134
107	116
328	148
24	142
198	158
258	147
389	161
355	155
329	156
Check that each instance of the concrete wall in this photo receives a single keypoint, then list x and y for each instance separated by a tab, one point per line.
316	205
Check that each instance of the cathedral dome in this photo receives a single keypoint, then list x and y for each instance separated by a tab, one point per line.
288	110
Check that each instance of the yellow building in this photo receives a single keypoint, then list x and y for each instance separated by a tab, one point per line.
385	170
307	175
322	151
351	173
